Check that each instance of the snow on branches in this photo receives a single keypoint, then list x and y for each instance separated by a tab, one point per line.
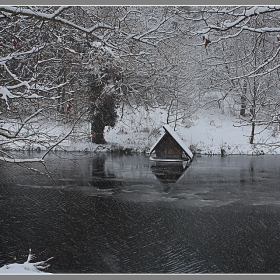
100	30
238	17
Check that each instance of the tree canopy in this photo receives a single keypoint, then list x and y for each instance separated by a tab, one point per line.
65	63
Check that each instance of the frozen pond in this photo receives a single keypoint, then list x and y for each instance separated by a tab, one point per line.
119	214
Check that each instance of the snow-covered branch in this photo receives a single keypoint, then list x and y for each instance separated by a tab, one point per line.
18	10
27	120
20	160
55	16
255	73
96	29
20	83
66	136
20	55
240	19
152	29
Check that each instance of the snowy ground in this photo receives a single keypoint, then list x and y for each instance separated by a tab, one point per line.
26	268
207	131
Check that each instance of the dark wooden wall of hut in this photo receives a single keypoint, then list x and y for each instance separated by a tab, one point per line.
168	148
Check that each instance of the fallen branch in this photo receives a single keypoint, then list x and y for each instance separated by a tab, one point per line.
27	267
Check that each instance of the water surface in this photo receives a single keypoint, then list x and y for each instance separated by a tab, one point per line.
120	214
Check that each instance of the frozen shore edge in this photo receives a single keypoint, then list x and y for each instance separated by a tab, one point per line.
114	148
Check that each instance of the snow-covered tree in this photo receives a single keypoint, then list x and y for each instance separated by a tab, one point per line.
241	57
104	79
47	53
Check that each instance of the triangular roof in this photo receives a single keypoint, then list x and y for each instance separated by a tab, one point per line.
175	136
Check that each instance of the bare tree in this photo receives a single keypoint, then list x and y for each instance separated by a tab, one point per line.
242	49
47	53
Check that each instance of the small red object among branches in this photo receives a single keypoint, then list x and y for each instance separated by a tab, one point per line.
68	108
15	43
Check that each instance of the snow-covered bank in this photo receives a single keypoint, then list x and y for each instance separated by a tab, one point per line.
26	268
207	131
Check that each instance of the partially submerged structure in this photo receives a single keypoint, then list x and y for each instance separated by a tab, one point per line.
170	147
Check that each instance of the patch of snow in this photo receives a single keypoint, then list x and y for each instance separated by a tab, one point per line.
6	94
25	268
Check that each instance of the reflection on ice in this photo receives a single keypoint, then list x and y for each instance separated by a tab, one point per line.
168	172
208	181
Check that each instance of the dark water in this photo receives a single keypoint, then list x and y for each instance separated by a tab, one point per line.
119	214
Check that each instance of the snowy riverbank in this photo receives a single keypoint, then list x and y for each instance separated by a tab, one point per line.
207	131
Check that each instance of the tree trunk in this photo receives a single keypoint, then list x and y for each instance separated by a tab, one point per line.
243	105
97	132
243	99
62	92
252	133
253	113
169	111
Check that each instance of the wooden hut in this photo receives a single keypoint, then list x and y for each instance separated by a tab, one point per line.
170	147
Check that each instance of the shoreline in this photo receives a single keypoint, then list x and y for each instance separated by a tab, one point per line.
115	148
